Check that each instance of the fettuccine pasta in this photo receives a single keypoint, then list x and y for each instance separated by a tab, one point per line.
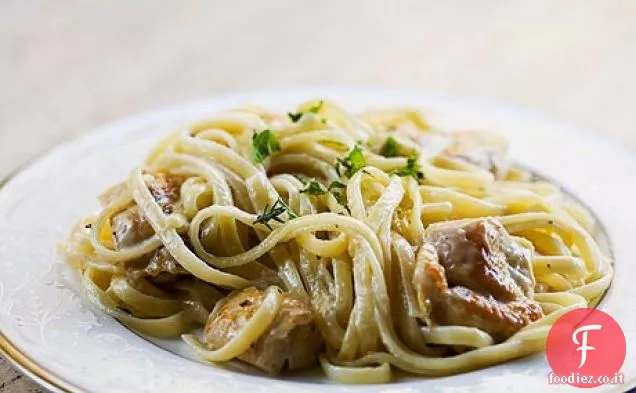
360	243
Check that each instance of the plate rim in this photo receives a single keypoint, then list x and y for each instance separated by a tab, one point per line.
25	364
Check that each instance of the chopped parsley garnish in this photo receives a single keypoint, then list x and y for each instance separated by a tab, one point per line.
264	144
391	148
336	189
295	116
315	108
352	163
313	187
335	185
312	109
342	200
274	213
412	168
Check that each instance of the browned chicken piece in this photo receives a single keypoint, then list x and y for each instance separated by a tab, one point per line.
483	149
129	226
160	268
500	319
472	273
480	255
166	189
292	341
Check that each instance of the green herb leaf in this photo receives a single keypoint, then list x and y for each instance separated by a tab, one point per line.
336	189
341	199
315	108
352	163
336	184
264	144
412	168
274	213
391	148
312	109
313	187
295	116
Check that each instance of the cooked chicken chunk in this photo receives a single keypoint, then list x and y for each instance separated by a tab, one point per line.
482	149
472	273
428	143
500	319
129	226
160	267
480	255
292	341
166	189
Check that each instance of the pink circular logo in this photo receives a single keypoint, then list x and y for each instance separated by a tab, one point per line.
585	348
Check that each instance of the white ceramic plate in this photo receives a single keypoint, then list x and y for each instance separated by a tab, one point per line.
50	332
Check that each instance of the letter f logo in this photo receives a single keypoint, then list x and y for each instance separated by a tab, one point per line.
583	344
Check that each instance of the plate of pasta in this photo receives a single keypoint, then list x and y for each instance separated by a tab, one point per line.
318	239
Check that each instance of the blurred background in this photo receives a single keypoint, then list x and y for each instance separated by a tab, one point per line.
67	66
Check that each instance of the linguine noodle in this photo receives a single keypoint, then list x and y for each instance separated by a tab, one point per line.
332	207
